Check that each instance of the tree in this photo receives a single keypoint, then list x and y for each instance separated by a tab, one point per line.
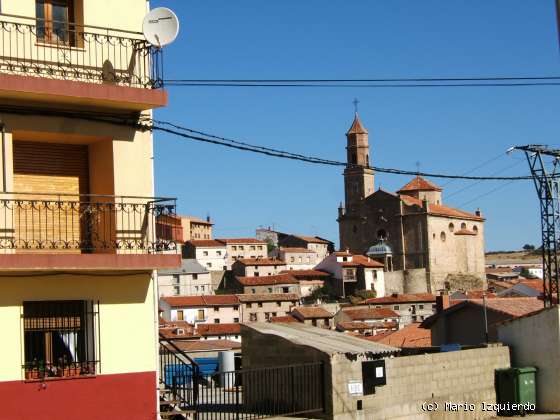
528	247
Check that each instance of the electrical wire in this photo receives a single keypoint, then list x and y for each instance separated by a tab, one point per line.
483	164
486	193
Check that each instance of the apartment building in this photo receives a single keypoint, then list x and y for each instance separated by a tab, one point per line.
242	248
414	307
297	258
210	309
255	267
78	244
189	279
263	307
280	283
211	254
195	228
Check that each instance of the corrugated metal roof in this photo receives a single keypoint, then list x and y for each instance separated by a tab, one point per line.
327	341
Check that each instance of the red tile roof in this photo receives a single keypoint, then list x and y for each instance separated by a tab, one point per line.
311	312
294	250
361	326
241	241
410	336
360	261
357	127
208	300
260	261
218	329
362	314
312	239
268	297
439	210
303	274
403	298
206	243
419	184
267	280
286	318
207	345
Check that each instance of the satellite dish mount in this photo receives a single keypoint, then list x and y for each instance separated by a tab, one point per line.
160	27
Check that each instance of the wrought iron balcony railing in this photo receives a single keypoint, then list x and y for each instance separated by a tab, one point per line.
68	51
50	223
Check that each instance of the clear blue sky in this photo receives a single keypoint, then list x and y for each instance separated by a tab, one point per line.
448	130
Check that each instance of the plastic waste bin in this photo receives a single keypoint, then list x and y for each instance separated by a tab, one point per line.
516	386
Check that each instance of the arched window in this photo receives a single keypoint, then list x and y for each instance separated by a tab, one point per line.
475	228
367	160
381	234
354	159
442	236
451	227
463	225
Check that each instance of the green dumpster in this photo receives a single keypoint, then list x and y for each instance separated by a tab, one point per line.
516	391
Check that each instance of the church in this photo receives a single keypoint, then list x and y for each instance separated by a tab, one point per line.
425	245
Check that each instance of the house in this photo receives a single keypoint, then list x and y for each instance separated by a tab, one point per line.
309	280
320	246
208	252
189	279
524	288
195	228
359	319
279	283
230	332
178	330
464	322
243	248
411	307
501	274
79	237
297	258
208	309
264	307
313	315
254	267
411	336
351	273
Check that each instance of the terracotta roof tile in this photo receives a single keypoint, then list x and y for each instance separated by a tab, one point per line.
361	326
370	313
194	301
218	329
410	336
311	312
294	250
403	298
221	300
286	318
301	274
419	184
312	239
242	241
439	210
261	261
206	243
267	280
268	297
357	127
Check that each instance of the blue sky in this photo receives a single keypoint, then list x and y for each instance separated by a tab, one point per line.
450	130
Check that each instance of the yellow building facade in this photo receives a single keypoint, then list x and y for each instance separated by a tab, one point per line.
79	238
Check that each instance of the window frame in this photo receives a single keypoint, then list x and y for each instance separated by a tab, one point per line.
47	22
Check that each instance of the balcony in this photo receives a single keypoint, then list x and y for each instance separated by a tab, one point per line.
92	232
85	65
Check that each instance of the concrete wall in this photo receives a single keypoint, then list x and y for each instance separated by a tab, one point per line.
535	341
187	285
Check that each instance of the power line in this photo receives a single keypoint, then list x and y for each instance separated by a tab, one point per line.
486	193
486	162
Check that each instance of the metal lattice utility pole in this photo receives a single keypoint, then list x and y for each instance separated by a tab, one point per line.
545	168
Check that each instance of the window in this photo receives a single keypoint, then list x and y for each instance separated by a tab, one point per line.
252	248
249	305
267	316
381	234
279	304
256	274
56	21
270	290
253	317
234	247
216	309
475	228
209	265
396	307
176	290
260	248
224	267
199	315
241	247
236	308
420	306
463	225
442	236
236	320
216	321
253	291
59	338
314	322
205	253
202	288
292	259
260	305
451	227
253	257
180	315
219	253
195	276
176	278
285	290
273	313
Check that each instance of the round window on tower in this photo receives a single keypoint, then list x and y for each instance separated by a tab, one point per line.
442	236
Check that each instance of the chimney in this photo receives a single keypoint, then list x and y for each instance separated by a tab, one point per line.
208	219
442	302
478	213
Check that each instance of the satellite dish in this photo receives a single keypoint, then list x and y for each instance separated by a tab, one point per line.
161	27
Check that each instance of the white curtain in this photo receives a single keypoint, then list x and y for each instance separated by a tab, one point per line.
70	339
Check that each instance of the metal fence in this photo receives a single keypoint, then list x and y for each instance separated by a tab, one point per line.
63	50
242	394
85	223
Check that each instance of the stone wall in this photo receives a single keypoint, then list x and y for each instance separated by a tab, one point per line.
535	341
407	281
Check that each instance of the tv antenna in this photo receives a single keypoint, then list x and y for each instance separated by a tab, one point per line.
160	27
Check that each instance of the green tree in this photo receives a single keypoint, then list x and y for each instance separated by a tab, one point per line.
528	247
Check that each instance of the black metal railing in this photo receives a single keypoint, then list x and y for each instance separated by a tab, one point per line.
242	394
66	50
33	222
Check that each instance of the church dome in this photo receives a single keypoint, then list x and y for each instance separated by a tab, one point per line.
380	248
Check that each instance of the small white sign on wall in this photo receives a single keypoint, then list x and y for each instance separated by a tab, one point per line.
355	388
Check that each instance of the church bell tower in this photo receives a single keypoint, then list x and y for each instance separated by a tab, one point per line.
358	176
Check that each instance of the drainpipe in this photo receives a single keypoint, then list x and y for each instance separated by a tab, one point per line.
3	128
